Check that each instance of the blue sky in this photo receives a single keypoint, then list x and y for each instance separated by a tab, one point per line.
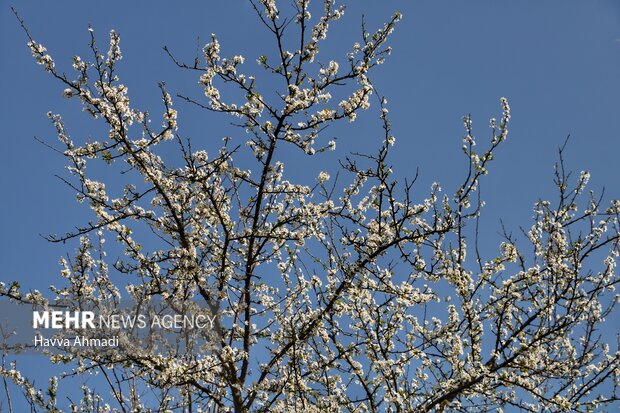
558	63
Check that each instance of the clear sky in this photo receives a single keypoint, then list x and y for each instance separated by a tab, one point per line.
558	63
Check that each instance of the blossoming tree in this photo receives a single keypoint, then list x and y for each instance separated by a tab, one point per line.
353	294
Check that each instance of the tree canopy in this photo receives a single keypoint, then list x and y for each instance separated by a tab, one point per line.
359	292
